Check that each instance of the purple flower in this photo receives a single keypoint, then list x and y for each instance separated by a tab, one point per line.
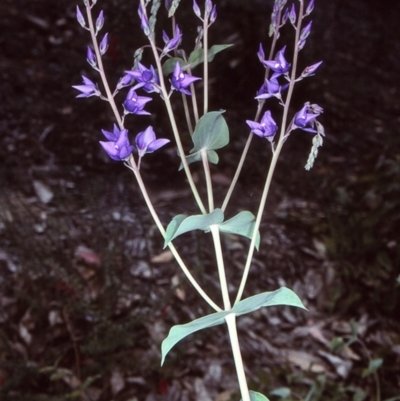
180	81
305	118
88	89
266	128
279	66
171	44
271	88
117	146
146	78
146	141
135	104
310	70
80	18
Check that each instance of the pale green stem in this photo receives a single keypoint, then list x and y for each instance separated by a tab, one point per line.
221	268
187	114
100	66
237	356
247	146
207	174
172	248
194	99
205	63
173	122
273	160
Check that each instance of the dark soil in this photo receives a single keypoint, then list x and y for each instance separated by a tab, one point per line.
86	294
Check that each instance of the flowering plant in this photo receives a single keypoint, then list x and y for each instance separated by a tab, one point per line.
209	134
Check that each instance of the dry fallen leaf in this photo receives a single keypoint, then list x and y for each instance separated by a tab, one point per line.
163	257
305	361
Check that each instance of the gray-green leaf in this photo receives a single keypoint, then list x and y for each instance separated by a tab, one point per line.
241	224
181	224
196	57
211	132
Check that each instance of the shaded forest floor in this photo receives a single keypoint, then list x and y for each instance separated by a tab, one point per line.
86	293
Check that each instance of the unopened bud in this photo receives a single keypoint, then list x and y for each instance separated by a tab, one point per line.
310	7
90	57
80	18
196	9
104	44
100	21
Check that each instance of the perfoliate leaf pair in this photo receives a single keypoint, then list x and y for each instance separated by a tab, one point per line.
283	296
241	224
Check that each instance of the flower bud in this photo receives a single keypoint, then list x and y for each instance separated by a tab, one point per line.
285	16
104	44
213	15
209	6
90	57
310	70
305	31
310	7
80	18
100	21
168	4
292	15
260	53
196	9
143	21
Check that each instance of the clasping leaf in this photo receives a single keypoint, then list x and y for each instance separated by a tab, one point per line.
241	224
181	224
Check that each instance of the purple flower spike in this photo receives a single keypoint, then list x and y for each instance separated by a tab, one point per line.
271	88
180	81
90	57
304	119
310	70
266	128
146	78
146	141
80	18
279	66
100	21
118	148
104	44
134	104
88	89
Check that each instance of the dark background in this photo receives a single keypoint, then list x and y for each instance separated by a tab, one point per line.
78	273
